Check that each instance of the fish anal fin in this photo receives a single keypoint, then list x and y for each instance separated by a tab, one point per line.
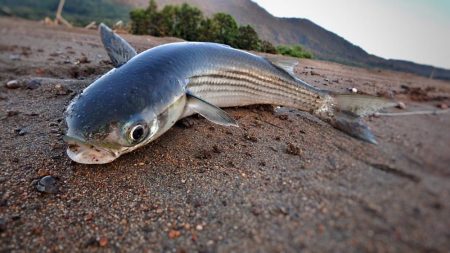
118	49
209	111
353	125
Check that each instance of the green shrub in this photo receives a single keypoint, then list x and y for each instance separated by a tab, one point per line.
294	51
267	47
188	22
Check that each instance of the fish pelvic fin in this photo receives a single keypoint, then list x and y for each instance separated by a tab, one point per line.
209	111
345	112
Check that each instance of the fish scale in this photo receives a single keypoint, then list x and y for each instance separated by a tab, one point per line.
245	89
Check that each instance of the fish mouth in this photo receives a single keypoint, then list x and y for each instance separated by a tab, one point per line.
82	152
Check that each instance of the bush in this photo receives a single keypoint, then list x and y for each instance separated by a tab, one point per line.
188	22
294	51
247	38
267	47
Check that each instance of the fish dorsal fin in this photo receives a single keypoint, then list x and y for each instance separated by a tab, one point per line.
283	63
209	111
118	49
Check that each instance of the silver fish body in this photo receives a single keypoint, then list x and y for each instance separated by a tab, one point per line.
141	99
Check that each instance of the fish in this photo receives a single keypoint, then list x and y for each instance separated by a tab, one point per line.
145	94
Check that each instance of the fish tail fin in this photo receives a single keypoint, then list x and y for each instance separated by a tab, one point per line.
347	110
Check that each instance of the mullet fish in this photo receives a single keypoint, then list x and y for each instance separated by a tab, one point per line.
146	93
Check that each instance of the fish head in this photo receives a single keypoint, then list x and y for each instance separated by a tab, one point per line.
115	115
106	143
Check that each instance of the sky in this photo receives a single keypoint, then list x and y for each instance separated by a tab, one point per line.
415	30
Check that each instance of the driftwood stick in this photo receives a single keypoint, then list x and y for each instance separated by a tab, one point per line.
59	18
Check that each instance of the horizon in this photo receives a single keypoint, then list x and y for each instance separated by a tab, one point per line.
414	29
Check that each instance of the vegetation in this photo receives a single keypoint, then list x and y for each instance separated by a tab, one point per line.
183	21
77	12
294	51
189	23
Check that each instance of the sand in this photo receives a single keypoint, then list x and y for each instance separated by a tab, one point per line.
282	182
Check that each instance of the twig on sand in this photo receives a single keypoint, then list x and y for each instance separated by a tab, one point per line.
391	114
59	18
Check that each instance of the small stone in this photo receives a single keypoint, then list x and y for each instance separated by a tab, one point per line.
42	172
14	57
293	150
442	106
283	117
53	124
103	241
12	113
353	90
250	137
13	84
314	73
199	227
401	105
47	184
33	84
21	131
83	59
174	234
2	225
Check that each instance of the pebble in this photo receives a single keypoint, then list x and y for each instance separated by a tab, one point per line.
47	184
314	73
174	234
293	150
13	84
2	225
103	242
12	113
199	227
442	106
21	131
401	105
33	84
353	90
14	57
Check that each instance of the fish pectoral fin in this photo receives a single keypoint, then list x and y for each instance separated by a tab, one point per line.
209	111
118	49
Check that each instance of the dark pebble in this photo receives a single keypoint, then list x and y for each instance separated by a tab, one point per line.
21	131
293	150
283	117
47	184
33	84
2	225
12	113
250	137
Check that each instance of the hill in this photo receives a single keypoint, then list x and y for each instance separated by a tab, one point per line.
324	44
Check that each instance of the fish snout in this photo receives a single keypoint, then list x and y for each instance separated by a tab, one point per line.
89	154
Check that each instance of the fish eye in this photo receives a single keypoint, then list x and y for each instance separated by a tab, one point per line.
137	133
